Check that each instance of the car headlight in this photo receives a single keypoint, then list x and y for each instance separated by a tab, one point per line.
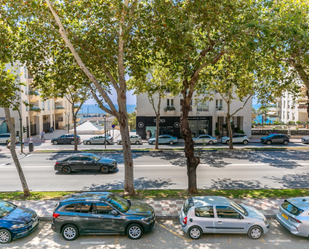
17	226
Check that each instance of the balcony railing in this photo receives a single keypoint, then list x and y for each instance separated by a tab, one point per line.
169	108
302	107
59	107
35	109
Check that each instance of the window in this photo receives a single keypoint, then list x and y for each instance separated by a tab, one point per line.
203	107
103	208
168	102
26	90
84	207
289	105
206	212
75	159
291	208
71	207
25	72
48	105
43	105
172	102
219	103
227	213
86	159
288	115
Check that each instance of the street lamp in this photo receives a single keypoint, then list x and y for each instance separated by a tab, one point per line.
197	115
68	122
105	116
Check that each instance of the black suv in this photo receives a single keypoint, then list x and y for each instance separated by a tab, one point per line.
65	139
102	213
276	138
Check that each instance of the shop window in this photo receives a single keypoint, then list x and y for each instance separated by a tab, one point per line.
203	107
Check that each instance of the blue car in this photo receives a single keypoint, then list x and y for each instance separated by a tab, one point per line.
16	222
164	139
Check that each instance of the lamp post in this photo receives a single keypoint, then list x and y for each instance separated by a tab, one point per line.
197	115
105	116
68	122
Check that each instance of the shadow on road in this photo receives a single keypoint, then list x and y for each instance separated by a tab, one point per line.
292	181
228	183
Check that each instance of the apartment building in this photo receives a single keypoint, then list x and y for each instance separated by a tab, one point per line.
56	112
204	117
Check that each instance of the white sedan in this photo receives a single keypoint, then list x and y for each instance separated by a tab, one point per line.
205	139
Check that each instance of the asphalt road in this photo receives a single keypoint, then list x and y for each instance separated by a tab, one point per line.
165	235
166	170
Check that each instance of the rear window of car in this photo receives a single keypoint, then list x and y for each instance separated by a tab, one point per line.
5	208
286	205
187	205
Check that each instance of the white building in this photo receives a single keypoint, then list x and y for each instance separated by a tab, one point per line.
55	113
204	118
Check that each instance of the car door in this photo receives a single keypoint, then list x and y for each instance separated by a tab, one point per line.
161	139
228	220
276	139
84	218
61	140
89	164
75	163
204	217
132	139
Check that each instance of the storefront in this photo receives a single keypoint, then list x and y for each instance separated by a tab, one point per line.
170	126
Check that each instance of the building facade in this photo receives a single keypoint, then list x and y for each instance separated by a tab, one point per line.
204	117
42	115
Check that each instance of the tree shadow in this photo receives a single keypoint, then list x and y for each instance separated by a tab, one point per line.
139	183
228	183
292	180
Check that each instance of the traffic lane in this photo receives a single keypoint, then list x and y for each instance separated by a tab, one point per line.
166	235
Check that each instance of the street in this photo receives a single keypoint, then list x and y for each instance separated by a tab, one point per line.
166	170
166	234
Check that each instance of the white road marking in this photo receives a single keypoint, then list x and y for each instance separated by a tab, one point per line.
279	241
92	243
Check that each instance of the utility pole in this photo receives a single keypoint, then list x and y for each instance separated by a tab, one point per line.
104	116
20	132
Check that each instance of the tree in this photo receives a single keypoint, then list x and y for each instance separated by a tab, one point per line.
263	111
254	114
191	36
154	84
10	98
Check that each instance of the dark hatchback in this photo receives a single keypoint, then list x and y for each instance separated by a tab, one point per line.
101	213
16	222
65	139
275	138
86	161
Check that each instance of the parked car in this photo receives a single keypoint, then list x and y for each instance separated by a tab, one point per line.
237	138
65	139
102	213
216	214
100	140
205	139
275	138
4	138
86	161
305	140
294	215
16	222
134	139
164	139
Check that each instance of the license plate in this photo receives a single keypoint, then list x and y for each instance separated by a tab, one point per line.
285	216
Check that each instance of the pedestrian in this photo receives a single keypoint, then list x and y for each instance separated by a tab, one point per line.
23	143
31	140
8	145
42	135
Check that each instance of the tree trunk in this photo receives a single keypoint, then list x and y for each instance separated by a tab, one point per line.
229	128
126	146
192	161
14	155
74	125
307	94
157	129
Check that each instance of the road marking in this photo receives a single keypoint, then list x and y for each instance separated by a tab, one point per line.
171	231
92	243
279	241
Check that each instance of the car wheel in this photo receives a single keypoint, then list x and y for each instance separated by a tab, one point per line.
88	142
55	142
70	232
285	142
152	143
137	142
255	232
72	142
5	236
104	169
134	231
268	142
105	142
227	141
211	142
245	142
171	142
66	170
195	232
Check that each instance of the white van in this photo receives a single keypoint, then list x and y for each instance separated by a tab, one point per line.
4	137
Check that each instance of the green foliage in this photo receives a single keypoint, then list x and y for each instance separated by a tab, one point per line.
132	120
299	122
291	123
240	131
277	122
115	122
217	132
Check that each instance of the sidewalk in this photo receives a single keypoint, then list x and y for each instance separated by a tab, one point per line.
164	209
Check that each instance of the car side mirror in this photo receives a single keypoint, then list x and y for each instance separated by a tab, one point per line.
240	217
114	212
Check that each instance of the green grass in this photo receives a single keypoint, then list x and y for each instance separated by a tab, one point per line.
173	194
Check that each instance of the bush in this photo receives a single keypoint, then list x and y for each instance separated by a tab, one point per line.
277	123
217	132
291	123
298	122
240	131
253	123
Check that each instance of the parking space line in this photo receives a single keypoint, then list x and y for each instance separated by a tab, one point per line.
92	243
171	231
279	241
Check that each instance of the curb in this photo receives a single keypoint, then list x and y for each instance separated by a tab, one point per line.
158	217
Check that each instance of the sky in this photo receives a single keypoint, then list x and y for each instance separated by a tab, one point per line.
131	98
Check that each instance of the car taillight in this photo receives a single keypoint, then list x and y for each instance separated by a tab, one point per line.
56	215
56	163
296	220
185	220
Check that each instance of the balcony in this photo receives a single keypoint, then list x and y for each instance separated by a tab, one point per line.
219	111
34	110
34	96
59	109
302	100
170	110
302	108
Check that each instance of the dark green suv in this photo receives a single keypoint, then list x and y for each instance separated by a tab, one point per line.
102	213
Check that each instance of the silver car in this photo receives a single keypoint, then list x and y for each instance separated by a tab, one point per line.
99	140
134	139
237	138
205	139
216	214
305	140
4	138
294	215
164	139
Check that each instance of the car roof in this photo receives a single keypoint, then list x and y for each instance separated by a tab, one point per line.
300	202
210	200
80	155
87	196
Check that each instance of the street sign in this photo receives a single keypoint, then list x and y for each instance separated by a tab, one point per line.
113	126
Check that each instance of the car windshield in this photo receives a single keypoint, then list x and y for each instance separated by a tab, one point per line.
94	157
5	208
120	203
286	205
239	208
